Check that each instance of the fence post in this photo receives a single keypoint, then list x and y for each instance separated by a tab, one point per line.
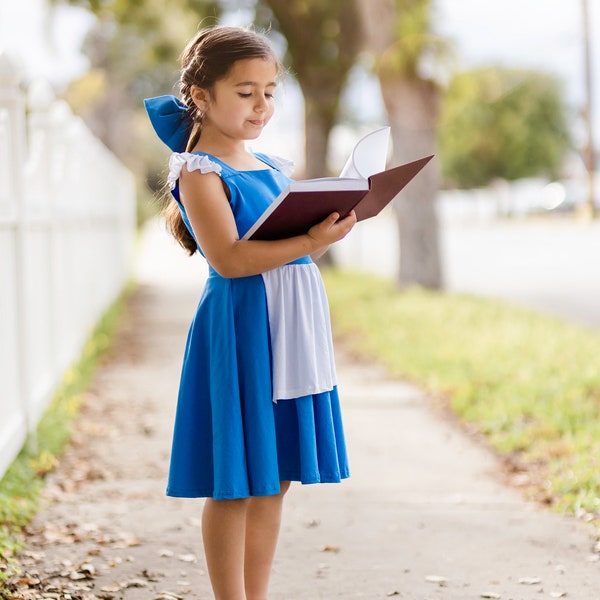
13	100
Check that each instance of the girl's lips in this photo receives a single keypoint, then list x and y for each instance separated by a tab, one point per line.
257	122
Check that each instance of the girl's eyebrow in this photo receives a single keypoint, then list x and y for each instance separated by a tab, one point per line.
254	84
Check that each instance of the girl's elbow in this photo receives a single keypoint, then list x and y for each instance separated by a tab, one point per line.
229	268
226	270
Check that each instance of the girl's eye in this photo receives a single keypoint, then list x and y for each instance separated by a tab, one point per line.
244	95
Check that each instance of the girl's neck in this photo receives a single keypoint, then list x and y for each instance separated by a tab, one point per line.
220	146
230	151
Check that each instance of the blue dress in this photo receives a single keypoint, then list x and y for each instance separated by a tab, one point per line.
238	433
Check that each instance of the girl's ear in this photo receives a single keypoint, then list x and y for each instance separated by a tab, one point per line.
200	97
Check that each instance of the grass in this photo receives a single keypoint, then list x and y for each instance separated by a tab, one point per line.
528	381
21	485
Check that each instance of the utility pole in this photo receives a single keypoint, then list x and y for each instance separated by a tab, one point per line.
589	155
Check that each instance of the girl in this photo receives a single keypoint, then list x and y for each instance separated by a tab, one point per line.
258	404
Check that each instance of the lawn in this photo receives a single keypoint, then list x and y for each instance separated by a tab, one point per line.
529	382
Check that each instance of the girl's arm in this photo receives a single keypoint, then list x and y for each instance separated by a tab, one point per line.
214	226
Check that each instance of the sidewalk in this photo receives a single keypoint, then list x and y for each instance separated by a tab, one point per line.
424	516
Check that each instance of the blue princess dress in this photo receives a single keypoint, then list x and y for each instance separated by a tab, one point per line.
258	401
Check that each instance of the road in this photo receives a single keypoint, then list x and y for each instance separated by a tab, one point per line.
550	264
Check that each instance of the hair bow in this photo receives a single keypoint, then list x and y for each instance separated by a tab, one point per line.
171	120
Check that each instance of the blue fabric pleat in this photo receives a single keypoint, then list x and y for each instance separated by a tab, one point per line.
230	439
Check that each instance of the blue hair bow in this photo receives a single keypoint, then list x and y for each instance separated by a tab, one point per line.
171	120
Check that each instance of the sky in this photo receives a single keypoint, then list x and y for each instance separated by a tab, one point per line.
542	34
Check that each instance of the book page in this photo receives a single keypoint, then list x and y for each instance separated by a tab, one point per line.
369	156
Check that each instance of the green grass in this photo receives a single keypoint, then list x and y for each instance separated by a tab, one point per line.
21	485
529	382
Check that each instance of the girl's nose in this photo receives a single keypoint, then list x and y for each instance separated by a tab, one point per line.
261	105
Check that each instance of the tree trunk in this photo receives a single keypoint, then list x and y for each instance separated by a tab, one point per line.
412	108
317	128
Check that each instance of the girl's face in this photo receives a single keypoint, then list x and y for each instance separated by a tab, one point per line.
241	103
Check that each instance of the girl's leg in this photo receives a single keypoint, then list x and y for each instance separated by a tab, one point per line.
263	519
223	535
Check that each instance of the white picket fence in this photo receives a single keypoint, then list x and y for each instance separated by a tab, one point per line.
67	231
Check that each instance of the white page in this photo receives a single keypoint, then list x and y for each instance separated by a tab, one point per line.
369	156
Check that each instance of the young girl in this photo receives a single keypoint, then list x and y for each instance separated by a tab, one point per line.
258	404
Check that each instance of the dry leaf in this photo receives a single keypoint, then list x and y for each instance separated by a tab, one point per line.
437	579
330	549
169	596
134	583
529	580
151	576
187	558
490	595
312	523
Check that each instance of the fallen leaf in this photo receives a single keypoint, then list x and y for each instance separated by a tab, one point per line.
442	581
394	593
490	595
134	583
529	580
126	540
151	576
194	522
187	558
168	596
88	569
312	523
330	548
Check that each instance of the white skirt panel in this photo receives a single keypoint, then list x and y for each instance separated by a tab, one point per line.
300	327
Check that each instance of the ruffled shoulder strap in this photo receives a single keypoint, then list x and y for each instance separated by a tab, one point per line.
281	164
194	162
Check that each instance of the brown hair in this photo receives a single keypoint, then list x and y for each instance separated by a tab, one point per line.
206	59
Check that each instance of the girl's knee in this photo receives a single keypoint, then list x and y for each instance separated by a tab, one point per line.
284	486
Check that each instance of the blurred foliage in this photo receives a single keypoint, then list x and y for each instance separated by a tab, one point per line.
417	52
502	123
139	43
133	50
323	41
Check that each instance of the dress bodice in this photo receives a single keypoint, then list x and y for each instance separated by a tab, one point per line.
250	192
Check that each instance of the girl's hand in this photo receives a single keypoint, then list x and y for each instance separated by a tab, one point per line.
331	229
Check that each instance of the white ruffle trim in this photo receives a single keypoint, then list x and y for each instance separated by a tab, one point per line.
194	162
283	164
299	323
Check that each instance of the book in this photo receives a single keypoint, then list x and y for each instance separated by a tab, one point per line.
364	185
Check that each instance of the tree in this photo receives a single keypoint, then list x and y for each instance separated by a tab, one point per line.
133	51
399	34
323	41
502	123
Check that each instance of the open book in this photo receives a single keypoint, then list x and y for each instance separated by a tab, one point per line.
363	186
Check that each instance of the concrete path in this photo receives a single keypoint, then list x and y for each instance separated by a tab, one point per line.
424	516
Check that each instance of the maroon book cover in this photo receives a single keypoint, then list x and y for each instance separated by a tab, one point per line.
294	212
